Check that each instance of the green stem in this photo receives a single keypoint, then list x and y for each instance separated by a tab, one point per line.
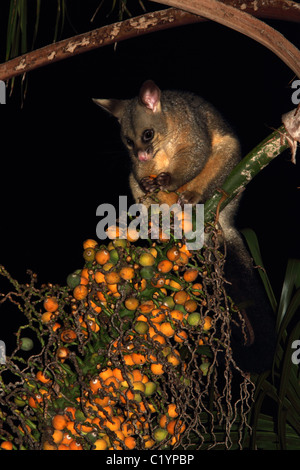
245	171
5	273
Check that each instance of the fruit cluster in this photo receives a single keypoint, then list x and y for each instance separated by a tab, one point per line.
126	352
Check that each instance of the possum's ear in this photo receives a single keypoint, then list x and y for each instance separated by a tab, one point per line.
150	96
114	107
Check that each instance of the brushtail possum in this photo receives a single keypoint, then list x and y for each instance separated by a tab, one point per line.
185	142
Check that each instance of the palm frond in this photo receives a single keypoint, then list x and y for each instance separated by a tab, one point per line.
60	19
20	38
291	281
254	248
280	430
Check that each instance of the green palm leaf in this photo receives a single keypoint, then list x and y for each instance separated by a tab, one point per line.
254	248
291	281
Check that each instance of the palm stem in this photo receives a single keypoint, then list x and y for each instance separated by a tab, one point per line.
245	171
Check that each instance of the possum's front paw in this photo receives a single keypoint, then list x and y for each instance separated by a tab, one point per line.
148	184
151	183
188	197
163	180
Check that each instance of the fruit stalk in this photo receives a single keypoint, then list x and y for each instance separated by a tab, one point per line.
245	171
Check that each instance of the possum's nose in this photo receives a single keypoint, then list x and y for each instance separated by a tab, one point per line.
144	155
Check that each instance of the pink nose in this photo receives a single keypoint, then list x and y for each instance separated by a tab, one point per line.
143	156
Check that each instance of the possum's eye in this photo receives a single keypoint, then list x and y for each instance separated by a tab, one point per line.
148	134
129	142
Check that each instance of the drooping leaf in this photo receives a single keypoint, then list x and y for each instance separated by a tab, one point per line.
291	281
254	248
